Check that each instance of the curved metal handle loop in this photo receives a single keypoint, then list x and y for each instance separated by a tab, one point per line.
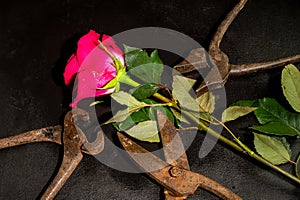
95	147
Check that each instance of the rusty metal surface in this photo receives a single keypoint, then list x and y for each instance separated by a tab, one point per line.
221	60
174	151
72	153
173	148
48	134
174	174
74	142
179	181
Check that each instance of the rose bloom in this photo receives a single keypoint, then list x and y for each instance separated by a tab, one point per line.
92	66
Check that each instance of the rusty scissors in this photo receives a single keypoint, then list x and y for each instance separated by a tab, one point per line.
218	76
74	142
173	174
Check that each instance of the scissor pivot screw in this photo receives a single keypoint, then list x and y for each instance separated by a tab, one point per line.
175	171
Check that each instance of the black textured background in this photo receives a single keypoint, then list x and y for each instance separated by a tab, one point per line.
36	37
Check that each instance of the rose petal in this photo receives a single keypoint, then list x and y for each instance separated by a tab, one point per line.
112	47
71	70
97	94
86	44
99	64
87	87
93	66
105	77
100	93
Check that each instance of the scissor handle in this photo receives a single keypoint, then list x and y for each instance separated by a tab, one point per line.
183	182
72	152
48	134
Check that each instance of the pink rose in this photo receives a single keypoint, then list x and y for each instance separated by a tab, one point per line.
93	66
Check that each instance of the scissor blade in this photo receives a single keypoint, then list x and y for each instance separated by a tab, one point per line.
147	161
173	148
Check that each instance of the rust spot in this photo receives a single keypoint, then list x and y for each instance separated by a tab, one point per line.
48	132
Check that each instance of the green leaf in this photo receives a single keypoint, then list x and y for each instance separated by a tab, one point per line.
144	114
290	82
152	111
145	131
155	58
190	81
133	56
206	102
149	73
286	144
181	87
127	99
120	116
285	122
165	110
115	125
275	128
247	103
149	101
271	149
147	68
144	91
178	116
134	118
137	110
128	49
234	112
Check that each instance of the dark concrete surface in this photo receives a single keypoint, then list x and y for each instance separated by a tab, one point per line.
37	37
